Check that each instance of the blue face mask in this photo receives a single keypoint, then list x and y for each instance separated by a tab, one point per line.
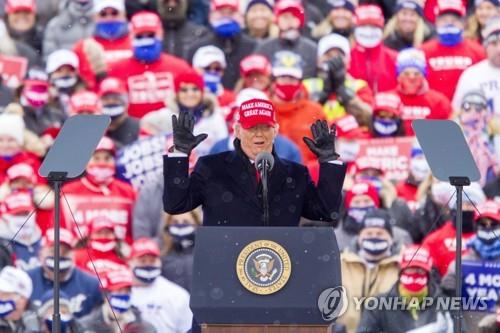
450	35
147	274
212	82
119	302
147	49
374	246
486	251
111	29
226	27
7	307
65	323
385	127
358	213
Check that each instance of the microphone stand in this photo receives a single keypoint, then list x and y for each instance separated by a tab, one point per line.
265	190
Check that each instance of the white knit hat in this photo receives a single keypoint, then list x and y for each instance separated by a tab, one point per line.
473	193
12	125
15	280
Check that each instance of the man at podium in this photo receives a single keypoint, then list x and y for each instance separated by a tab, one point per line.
228	186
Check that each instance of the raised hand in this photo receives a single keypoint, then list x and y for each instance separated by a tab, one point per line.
323	142
184	139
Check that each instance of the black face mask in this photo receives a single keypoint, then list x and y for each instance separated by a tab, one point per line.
467	220
343	32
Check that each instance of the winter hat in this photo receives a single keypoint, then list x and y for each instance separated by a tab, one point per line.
15	280
290	6
117	279
207	55
475	96
287	63
378	218
12	125
65	237
346	4
188	77
255	63
146	22
488	209
60	58
416	5
36	76
19	202
411	58
449	6
416	256
369	15
333	41
12	6
491	31
21	170
251	3
362	188
218	4
386	101
144	246
473	193
112	85
106	144
84	101
99	5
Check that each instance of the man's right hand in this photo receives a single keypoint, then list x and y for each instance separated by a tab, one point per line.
184	139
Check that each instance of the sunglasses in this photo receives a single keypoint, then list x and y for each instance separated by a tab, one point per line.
214	69
145	35
189	89
109	13
478	107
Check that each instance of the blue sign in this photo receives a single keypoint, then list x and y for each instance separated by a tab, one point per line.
481	281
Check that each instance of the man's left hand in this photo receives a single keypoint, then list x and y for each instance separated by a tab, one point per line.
323	142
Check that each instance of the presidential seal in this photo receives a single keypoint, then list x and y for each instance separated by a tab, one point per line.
263	267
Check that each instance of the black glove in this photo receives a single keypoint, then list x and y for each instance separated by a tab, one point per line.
336	73
323	144
345	95
184	139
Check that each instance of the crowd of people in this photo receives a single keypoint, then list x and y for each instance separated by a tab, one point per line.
367	68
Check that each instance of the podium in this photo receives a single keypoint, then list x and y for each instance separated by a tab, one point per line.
265	280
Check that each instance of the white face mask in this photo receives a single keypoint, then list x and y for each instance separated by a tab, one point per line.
15	222
368	36
419	169
348	150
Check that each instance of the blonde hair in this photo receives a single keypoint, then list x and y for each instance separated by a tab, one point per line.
472	29
418	34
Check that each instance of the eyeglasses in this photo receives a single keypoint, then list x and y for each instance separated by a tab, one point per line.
216	69
145	35
189	89
478	107
109	13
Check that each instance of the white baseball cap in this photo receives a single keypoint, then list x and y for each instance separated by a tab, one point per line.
15	280
59	58
331	41
207	55
99	5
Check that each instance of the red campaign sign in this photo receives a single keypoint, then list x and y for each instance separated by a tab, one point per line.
13	70
389	154
150	87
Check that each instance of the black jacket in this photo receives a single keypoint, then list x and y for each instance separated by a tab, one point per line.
225	185
177	39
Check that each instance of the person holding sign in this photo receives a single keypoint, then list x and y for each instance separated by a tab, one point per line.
228	187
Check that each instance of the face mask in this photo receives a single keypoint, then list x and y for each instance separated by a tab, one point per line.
119	302
413	282
65	83
103	244
35	98
226	27
147	49
385	127
467	219
113	110
7	307
290	34
111	30
488	235
368	37
374	246
212	82
287	92
358	214
441	192
486	251
100	173
182	235
449	35
65	264
419	169
473	120
20	224
411	86
65	322
373	180
147	274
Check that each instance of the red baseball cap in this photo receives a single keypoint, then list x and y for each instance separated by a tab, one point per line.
489	209
369	15
111	85
191	77
18	202
348	128
144	246
257	112
390	102
362	188
12	6
106	144
290	6
449	6
218	4
65	236
145	21
413	256
21	170
255	63
117	279
84	101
